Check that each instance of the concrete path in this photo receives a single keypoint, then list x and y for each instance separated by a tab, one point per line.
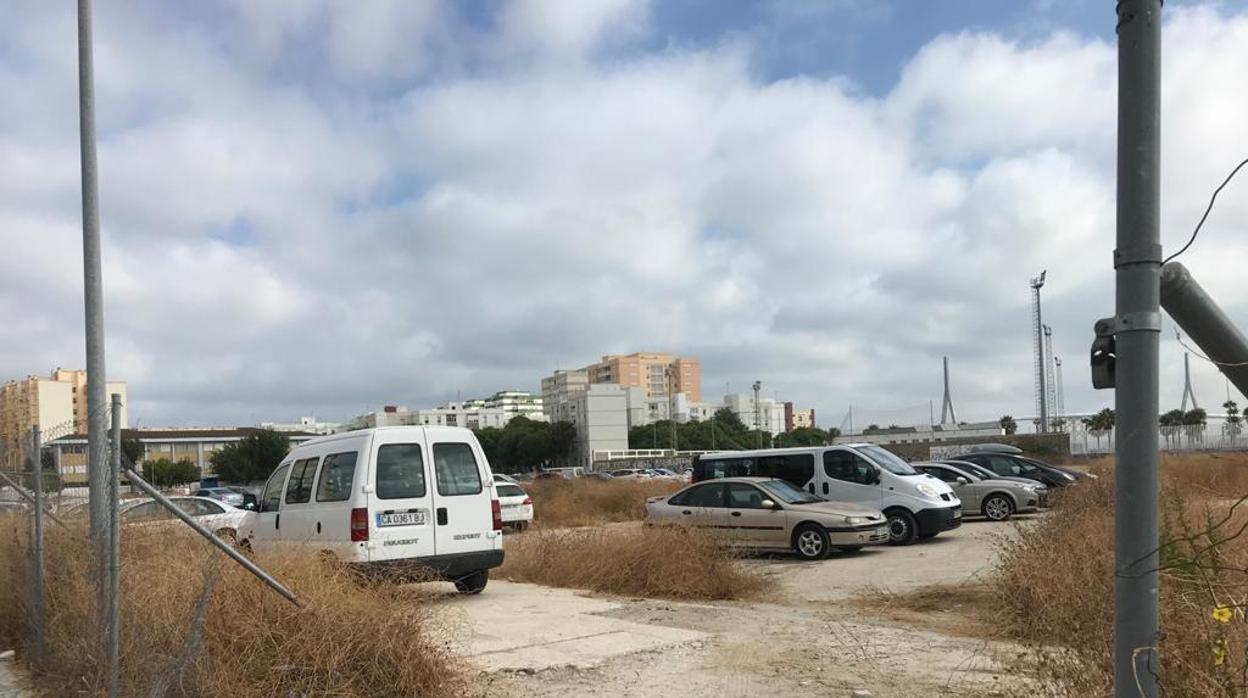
11	683
528	628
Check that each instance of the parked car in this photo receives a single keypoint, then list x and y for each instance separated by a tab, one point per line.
600	475
994	499
1015	451
770	514
219	517
387	501
221	494
250	501
1016	466
916	506
517	506
14	507
1041	489
552	475
631	474
665	473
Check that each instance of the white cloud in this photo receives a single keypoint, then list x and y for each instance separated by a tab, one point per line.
312	211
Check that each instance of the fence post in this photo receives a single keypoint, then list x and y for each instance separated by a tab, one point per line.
114	553
40	609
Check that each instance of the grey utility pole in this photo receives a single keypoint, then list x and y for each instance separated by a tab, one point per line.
93	295
1137	330
1042	405
1192	308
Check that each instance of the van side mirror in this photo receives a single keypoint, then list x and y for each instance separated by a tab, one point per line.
875	478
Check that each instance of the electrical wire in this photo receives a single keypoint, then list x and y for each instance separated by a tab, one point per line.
1199	355
1207	210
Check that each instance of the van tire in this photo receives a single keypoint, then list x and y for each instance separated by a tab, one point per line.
998	507
902	528
473	583
810	542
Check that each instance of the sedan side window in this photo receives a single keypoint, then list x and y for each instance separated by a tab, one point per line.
706	496
743	496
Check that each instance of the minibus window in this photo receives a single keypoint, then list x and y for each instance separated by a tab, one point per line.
400	472
337	475
797	468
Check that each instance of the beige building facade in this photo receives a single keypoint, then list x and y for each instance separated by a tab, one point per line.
658	373
57	404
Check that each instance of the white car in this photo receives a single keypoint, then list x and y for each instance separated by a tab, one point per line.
517	506
631	474
505	479
219	517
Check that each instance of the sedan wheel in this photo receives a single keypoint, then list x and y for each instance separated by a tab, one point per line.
811	542
998	507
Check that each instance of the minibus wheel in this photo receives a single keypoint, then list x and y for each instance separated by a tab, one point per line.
902	528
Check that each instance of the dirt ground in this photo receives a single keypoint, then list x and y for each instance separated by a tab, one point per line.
826	630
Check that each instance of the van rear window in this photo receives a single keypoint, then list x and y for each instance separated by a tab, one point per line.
400	472
457	469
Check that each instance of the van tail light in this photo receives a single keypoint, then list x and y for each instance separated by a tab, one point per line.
527	501
497	509
359	525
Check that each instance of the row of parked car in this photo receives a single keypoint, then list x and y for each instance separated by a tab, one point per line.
817	499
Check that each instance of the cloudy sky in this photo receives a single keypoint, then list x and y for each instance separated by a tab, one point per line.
321	207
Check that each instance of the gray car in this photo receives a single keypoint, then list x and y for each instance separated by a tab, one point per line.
996	500
986	474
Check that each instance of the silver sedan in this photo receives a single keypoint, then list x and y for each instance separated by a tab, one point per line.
995	499
769	514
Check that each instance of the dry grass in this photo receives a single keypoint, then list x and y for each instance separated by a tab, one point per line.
1055	581
968	610
349	639
659	561
589	502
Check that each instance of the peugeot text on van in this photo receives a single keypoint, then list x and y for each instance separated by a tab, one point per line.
917	506
388	500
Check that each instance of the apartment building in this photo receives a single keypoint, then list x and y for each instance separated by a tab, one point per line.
518	402
658	373
306	425
797	418
766	414
558	386
57	404
599	413
471	414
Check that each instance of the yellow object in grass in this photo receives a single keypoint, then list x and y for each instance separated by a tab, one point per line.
1223	614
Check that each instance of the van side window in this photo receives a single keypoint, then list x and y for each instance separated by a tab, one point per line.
337	475
847	467
400	472
795	468
726	467
271	500
299	489
456	469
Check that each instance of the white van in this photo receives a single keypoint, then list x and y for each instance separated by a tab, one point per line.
917	506
387	500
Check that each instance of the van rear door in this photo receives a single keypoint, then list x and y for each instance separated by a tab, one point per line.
463	494
400	507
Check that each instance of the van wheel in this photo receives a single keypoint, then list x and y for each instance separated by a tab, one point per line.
902	528
998	507
473	583
810	542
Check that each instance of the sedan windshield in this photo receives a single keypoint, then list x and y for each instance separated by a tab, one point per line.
787	493
887	460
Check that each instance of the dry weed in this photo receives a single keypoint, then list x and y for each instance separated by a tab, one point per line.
348	639
1055	581
588	502
660	561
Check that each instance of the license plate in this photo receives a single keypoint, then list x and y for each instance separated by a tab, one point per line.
406	518
511	506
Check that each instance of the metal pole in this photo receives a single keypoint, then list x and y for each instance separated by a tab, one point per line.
40	608
138	481
93	297
114	554
1044	404
1194	311
1137	261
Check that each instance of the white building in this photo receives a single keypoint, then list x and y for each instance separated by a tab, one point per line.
306	425
922	433
769	413
452	414
520	402
599	413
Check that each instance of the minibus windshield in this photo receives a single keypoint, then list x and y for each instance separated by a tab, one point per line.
887	460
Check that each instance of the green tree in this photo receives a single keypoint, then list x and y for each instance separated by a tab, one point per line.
1008	425
132	450
803	436
525	444
1173	418
252	458
1101	421
1195	417
1232	412
163	472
